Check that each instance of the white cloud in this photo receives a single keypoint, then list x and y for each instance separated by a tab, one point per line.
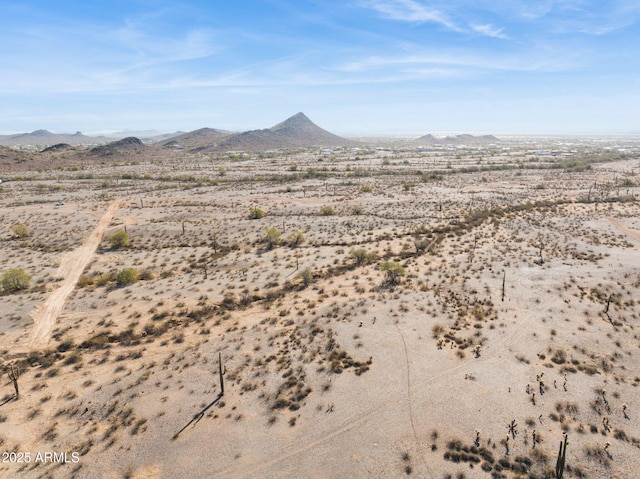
411	11
490	31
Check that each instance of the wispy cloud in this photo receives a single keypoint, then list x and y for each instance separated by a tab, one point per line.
490	31
443	13
411	11
465	63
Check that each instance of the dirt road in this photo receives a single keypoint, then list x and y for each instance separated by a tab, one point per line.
71	267
623	228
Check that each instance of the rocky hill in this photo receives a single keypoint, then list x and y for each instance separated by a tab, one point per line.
127	145
10	157
203	138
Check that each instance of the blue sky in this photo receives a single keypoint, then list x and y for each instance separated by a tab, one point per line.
353	66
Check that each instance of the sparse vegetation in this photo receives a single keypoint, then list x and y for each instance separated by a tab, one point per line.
402	280
127	276
20	231
256	213
392	271
14	280
119	240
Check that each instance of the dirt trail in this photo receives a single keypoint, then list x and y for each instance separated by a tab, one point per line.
623	228
71	267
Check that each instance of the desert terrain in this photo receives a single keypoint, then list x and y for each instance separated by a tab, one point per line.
389	310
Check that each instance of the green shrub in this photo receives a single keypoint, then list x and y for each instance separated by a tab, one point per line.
393	271
272	237
14	280
256	213
296	238
361	256
127	276
306	275
327	211
119	240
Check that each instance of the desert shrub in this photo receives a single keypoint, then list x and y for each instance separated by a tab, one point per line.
357	210
85	281
272	237
20	231
127	276
14	280
327	211
559	356
256	213
119	240
296	238
306	275
392	271
366	188
146	274
361	256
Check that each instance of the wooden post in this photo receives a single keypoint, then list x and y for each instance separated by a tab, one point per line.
504	277
183	227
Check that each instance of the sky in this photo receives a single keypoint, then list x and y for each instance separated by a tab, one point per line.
354	67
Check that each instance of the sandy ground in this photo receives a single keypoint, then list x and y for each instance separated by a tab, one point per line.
348	376
71	267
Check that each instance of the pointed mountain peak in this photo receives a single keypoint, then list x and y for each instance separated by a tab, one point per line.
40	133
296	121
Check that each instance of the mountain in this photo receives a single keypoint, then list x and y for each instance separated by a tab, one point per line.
202	139
46	138
125	146
57	147
464	139
295	132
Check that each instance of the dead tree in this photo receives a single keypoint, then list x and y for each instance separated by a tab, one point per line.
606	309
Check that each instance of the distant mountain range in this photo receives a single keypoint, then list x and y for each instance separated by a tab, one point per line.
46	138
295	132
457	140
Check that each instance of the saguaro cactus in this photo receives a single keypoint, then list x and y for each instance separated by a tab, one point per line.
222	370
14	374
562	454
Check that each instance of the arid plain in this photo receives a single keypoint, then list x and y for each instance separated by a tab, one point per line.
393	311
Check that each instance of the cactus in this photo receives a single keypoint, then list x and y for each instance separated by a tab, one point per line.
562	454
14	374
221	370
